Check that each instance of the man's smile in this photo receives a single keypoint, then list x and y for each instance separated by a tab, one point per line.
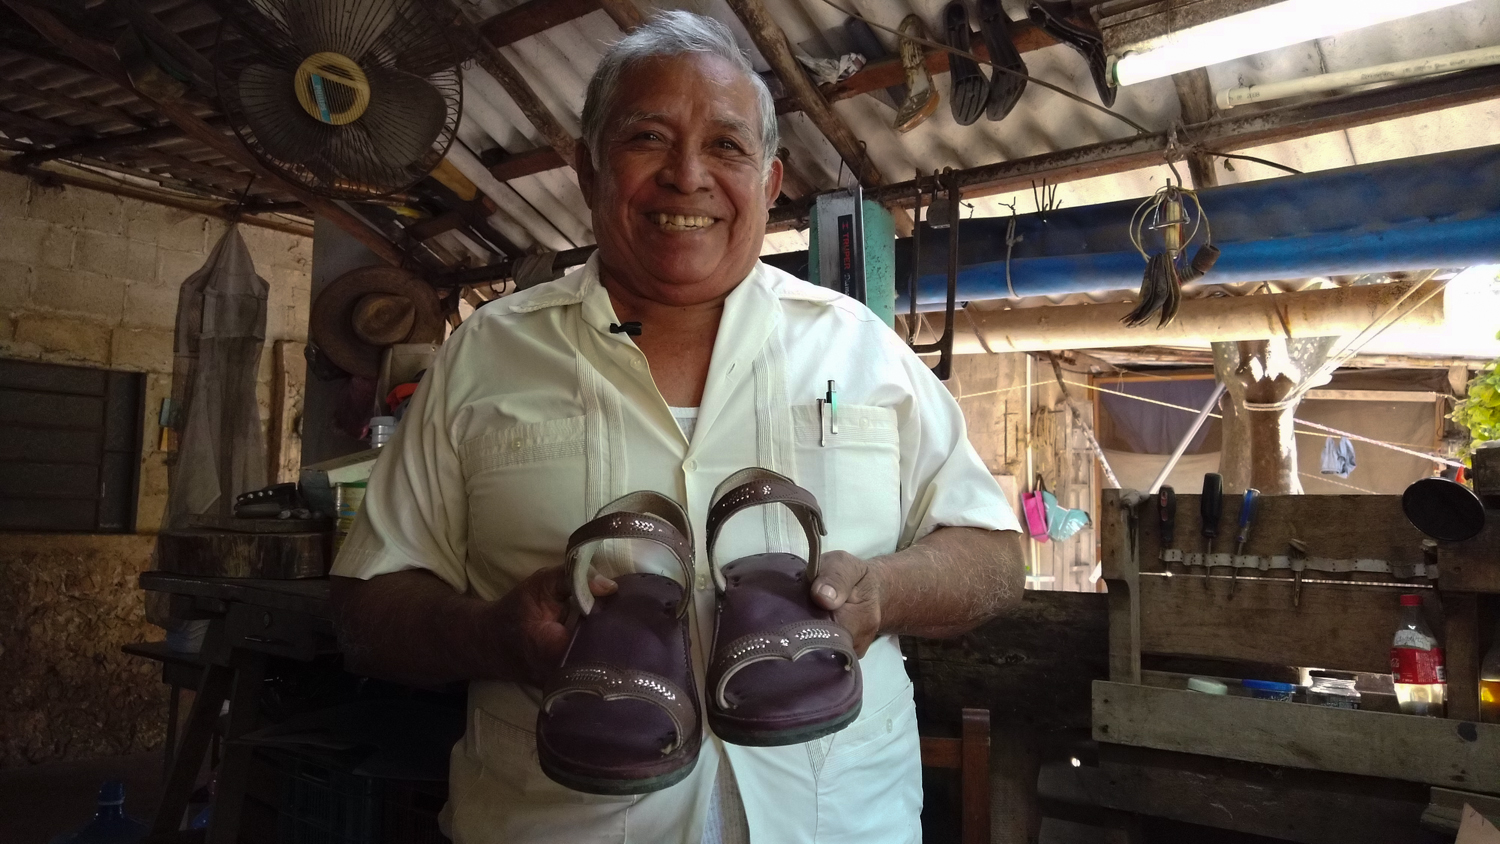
680	222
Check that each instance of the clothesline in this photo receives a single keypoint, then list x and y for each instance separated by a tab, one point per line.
1323	431
1331	432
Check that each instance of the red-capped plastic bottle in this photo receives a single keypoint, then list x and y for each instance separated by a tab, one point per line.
1417	663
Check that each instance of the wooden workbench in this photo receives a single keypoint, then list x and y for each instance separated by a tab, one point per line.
249	621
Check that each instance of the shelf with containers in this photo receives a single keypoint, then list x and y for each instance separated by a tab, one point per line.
1168	623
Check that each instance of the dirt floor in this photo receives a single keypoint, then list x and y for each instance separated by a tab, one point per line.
40	802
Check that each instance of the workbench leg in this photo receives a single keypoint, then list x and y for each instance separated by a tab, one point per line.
244	713
188	758
1461	651
169	748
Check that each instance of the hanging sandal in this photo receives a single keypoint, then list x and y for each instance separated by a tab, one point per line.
621	714
921	96
782	672
1053	18
969	88
1005	88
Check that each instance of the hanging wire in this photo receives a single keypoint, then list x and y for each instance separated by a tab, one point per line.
937	45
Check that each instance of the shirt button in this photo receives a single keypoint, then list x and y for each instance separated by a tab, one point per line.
635	363
701	581
690	465
889	725
516	444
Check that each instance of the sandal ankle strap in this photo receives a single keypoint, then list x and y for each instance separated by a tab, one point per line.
640	515
754	487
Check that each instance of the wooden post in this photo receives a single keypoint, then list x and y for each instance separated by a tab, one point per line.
1262	441
288	385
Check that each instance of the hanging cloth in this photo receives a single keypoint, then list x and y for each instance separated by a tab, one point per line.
1338	457
221	329
1062	523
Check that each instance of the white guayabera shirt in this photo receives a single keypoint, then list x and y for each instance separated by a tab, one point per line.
535	415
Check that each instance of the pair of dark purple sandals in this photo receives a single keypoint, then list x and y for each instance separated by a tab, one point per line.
622	714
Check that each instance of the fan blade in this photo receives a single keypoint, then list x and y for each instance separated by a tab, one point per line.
276	118
405	116
348	27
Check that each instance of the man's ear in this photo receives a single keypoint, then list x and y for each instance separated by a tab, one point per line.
773	181
583	163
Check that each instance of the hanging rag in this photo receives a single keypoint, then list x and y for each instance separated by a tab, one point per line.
1338	457
1062	522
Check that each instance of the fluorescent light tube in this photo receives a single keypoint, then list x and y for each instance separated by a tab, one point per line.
1256	31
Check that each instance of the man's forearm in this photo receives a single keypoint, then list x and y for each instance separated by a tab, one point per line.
412	628
950	581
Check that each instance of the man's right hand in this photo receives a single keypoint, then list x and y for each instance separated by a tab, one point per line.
532	619
411	627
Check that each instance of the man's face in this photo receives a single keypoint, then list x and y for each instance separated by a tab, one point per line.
679	204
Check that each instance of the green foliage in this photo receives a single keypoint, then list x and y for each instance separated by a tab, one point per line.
1480	409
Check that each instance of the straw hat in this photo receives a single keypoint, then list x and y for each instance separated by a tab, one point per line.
367	309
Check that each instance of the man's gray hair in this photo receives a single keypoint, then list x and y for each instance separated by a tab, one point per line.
666	34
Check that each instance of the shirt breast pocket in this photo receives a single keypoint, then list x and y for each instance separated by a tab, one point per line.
855	474
525	487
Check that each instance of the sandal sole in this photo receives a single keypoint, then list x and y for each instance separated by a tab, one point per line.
781	738
609	786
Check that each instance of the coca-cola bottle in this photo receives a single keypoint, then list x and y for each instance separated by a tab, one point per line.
1417	663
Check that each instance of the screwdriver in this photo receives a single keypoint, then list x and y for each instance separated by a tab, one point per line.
1166	508
1247	515
1212	508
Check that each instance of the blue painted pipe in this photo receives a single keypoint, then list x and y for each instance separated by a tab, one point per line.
1431	211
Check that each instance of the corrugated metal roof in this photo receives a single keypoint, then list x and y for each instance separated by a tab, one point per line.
557	64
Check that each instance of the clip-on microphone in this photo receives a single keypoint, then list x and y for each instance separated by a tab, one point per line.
631	328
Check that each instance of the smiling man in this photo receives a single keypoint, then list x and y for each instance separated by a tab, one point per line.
543	407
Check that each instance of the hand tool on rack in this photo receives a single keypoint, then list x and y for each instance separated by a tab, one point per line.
1211	508
1166	511
1247	515
1298	555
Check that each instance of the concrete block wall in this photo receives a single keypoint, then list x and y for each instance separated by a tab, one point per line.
91	279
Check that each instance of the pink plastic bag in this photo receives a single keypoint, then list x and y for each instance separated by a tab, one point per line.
1034	510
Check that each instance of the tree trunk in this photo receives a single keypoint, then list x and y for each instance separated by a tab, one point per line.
1260	449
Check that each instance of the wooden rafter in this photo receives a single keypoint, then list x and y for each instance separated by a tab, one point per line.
774	47
1223	134
883	74
101	60
624	13
16	87
100	146
38	129
532	18
211	208
1196	97
522	164
498	66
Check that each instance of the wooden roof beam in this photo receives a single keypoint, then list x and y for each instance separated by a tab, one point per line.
532	18
496	65
52	97
878	76
777	51
522	164
101	60
99	146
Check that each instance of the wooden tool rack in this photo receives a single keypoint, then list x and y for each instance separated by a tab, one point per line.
1164	614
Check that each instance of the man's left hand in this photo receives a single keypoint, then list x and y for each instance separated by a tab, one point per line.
850	588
